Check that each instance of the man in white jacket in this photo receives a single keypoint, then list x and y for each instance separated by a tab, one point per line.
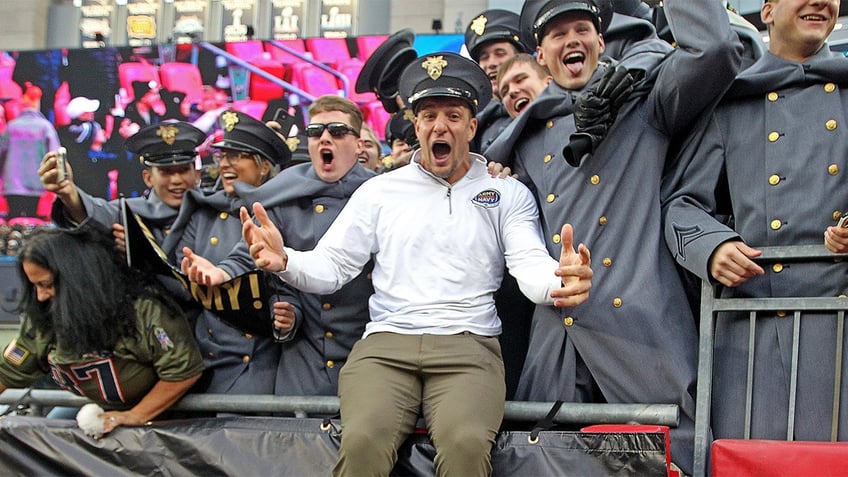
440	232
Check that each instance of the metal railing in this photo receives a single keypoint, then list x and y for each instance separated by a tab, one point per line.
306	406
711	306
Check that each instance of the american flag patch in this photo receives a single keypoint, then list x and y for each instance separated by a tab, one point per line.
163	338
15	354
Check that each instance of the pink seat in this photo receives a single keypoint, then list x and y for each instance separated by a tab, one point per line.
366	45
251	107
351	69
332	51
253	52
285	57
246	50
136	71
45	205
184	77
314	80
376	117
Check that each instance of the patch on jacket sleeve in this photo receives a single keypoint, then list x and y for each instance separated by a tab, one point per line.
487	199
163	338
15	354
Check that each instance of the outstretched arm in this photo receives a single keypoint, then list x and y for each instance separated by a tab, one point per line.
264	240
161	396
200	270
65	189
575	271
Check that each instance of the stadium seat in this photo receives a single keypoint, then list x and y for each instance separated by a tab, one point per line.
351	69
313	80
366	44
253	52
136	71
331	51
45	205
184	77
376	117
251	107
283	56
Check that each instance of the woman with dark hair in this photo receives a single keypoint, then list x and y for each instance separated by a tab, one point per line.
101	329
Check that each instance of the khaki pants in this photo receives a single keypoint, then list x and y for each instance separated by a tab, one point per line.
456	380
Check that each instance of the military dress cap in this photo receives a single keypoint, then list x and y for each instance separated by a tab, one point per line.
166	144
244	133
445	74
299	147
536	14
381	72
493	26
400	126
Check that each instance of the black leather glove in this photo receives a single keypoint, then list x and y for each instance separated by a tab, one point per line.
595	111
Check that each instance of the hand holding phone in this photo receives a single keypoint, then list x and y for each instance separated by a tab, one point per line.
61	158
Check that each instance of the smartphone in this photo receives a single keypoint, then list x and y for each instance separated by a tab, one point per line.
61	158
843	221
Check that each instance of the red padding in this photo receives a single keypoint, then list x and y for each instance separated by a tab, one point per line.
741	458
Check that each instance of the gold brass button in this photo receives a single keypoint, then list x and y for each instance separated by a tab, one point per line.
772	96
556	238
776	224
616	302
830	124
248	336
549	124
774	179
550	198
326	306
214	240
773	136
602	220
209	330
331	364
781	313
319	209
548	158
777	267
596	179
829	87
607	261
210	354
328	334
245	359
837	214
568	321
841	295
833	169
223	215
369	275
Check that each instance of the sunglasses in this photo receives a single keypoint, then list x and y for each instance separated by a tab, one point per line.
336	129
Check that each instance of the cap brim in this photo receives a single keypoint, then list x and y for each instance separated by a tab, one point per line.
369	76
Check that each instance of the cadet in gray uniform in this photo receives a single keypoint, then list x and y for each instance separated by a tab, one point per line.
168	153
776	149
303	201
634	340
491	38
250	152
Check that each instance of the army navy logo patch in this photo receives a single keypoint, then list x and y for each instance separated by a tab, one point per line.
487	199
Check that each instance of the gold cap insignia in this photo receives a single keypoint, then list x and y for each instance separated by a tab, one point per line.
293	142
230	119
168	133
434	66
478	26
408	115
